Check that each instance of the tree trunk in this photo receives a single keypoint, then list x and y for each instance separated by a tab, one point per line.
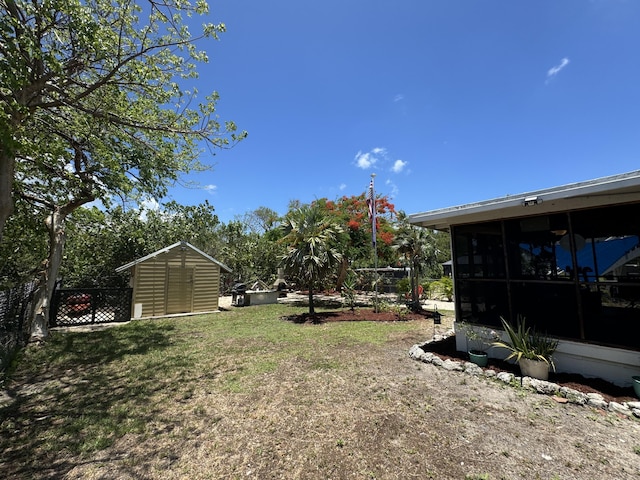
415	300
312	310
7	167
42	300
342	273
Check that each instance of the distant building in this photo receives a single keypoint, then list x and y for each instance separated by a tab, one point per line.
389	276
447	268
567	258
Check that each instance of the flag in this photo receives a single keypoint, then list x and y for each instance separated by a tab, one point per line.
371	203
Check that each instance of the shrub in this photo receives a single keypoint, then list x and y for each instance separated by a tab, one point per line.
403	286
349	291
441	288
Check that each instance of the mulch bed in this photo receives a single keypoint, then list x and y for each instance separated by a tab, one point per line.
446	349
357	315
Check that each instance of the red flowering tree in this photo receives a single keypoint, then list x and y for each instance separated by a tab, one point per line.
356	245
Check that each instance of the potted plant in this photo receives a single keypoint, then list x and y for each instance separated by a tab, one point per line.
530	349
636	385
479	340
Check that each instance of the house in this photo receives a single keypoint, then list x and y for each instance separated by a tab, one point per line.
566	258
176	279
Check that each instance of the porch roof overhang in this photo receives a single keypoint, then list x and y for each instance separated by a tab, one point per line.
616	189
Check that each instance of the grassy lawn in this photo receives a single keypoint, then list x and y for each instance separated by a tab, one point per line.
244	394
86	390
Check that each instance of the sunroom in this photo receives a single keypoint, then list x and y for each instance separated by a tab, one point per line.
565	258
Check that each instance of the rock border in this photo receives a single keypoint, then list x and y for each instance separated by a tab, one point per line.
562	394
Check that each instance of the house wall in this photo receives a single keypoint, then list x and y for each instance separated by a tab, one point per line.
178	281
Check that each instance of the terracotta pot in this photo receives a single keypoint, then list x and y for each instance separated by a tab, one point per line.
534	368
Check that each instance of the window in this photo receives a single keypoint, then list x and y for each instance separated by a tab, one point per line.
535	249
479	251
608	257
574	275
483	302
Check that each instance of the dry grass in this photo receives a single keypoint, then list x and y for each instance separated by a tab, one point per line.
244	394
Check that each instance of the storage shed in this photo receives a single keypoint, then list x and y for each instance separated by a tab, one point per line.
176	279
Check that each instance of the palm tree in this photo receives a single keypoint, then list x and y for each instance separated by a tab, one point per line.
311	237
418	249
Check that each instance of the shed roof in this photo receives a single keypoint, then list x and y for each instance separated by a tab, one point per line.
615	189
167	249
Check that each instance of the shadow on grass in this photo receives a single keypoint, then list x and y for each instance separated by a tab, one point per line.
77	394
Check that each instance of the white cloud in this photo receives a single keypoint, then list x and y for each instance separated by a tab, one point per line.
150	204
399	97
145	205
365	160
398	166
553	71
342	186
393	188
379	158
210	188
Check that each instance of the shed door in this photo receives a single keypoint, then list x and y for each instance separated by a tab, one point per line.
179	290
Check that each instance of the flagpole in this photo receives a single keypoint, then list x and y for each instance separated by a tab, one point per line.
374	242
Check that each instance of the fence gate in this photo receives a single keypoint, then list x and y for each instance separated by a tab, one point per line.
83	306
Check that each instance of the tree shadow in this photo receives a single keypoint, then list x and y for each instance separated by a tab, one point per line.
68	403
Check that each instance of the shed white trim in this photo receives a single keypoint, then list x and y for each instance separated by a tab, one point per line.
169	248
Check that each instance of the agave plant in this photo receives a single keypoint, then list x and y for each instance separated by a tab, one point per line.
525	342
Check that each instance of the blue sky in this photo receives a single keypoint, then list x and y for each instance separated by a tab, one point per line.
447	102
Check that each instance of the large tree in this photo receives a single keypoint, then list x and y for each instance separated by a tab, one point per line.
93	108
311	238
114	65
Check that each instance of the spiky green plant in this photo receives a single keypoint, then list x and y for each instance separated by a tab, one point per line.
525	342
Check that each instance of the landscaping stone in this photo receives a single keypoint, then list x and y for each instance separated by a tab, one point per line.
540	386
603	404
416	352
452	366
505	377
472	369
437	361
620	408
574	396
